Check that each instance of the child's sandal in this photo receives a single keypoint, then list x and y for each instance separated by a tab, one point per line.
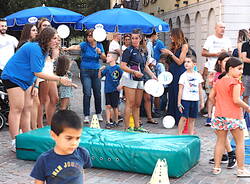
216	171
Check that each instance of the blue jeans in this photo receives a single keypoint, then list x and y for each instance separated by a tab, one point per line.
90	80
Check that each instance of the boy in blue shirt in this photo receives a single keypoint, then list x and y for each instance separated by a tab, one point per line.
65	163
113	74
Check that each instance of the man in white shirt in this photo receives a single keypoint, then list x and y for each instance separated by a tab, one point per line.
8	44
114	45
213	47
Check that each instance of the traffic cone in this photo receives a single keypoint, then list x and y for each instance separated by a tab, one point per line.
185	130
131	121
160	174
94	122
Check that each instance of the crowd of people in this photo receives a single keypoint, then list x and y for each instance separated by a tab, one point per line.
32	74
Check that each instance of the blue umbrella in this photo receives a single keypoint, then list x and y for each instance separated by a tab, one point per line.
124	20
55	16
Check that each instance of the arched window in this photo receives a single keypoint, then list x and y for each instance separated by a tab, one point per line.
170	24
211	21
186	27
198	46
178	22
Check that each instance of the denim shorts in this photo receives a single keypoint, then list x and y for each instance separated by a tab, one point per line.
190	109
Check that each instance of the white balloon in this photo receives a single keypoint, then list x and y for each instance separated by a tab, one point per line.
165	78
63	31
148	85
158	90
99	34
154	88
168	122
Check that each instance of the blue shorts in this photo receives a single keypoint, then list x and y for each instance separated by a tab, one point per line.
190	109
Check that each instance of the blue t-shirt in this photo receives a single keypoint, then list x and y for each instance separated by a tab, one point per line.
63	169
135	60
20	69
113	75
90	58
158	46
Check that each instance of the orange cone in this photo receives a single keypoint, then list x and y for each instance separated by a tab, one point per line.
185	130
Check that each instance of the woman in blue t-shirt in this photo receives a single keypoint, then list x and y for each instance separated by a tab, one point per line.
91	53
19	75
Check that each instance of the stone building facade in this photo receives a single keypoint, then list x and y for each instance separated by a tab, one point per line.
197	18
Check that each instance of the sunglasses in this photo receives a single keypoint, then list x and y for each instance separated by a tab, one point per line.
135	38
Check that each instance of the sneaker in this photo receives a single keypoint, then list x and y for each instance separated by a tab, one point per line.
120	119
116	124
243	173
13	146
142	130
231	160
129	129
224	159
99	116
86	120
109	125
208	122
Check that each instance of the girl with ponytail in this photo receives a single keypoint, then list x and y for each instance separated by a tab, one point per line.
229	107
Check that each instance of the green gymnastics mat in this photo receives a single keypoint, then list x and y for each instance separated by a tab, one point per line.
118	150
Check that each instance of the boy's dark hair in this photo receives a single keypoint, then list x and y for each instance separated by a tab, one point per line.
150	35
114	52
65	119
62	66
192	57
3	19
232	62
221	57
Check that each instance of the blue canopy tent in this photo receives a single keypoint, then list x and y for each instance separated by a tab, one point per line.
123	20
55	15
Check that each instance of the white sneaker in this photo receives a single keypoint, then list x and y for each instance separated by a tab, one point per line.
86	120
99	116
13	145
243	173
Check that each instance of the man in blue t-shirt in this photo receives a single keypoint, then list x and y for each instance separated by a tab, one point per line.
65	163
113	74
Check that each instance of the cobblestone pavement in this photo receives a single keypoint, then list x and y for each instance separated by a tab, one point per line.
14	171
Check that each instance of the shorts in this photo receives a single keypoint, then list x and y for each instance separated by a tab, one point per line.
8	84
190	109
246	83
133	84
223	123
112	99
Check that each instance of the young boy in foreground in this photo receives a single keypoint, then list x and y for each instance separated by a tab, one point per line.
66	161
